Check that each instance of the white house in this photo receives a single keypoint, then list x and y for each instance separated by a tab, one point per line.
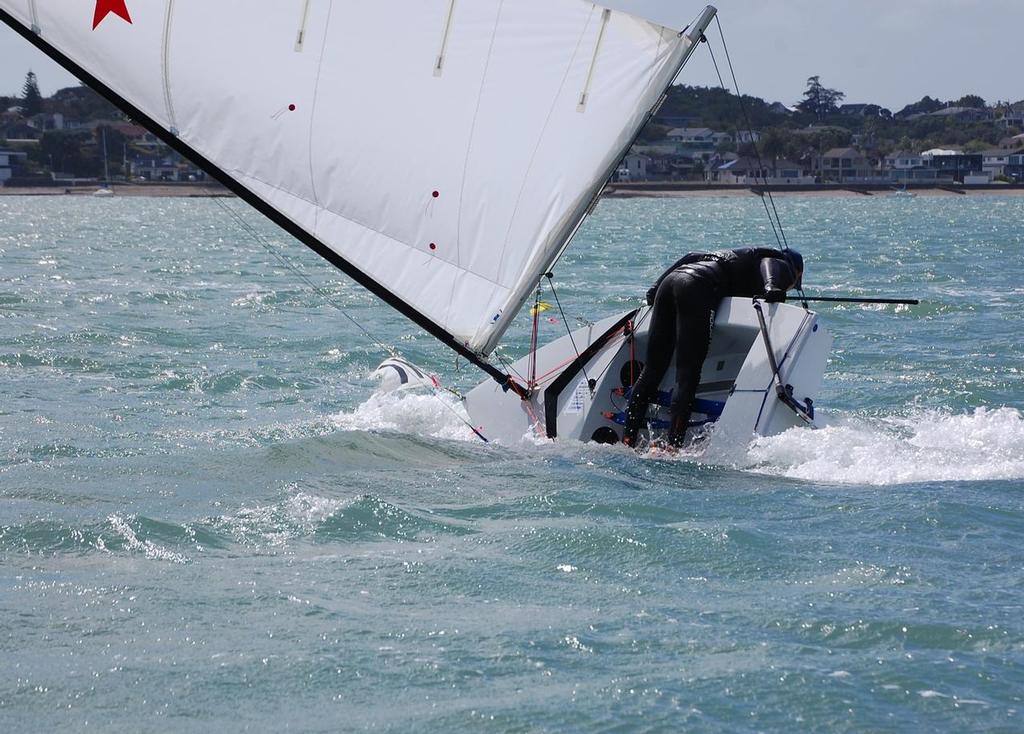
633	168
903	160
995	161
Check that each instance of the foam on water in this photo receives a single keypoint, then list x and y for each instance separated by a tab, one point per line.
923	446
434	415
919	446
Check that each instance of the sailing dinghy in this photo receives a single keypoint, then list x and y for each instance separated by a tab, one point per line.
442	153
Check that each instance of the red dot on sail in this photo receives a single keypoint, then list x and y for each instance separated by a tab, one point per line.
291	108
436	194
433	246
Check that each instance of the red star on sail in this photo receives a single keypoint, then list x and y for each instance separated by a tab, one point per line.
106	7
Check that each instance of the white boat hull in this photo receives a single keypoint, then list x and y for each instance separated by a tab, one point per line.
581	398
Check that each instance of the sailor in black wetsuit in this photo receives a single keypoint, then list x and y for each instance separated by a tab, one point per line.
684	299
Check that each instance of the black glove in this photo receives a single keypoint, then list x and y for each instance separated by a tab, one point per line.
775	296
650	296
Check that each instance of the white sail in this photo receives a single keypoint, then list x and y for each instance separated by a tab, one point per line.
447	149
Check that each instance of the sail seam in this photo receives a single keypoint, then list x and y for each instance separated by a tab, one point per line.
33	12
654	76
301	38
540	139
439	64
166	69
606	15
469	147
313	103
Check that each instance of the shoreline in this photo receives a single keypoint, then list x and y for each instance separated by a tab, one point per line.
193	191
668	190
657	190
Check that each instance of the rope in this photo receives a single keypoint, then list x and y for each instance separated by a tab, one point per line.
325	296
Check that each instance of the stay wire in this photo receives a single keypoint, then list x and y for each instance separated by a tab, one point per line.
750	128
784	243
325	296
568	329
757	152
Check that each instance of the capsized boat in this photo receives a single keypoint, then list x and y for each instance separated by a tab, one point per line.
442	154
762	375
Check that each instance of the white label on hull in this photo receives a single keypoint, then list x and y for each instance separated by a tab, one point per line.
580	398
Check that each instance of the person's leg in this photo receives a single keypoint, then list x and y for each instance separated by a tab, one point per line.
660	345
693	338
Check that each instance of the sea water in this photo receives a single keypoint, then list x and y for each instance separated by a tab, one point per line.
209	521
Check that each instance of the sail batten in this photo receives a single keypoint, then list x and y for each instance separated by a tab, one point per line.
449	169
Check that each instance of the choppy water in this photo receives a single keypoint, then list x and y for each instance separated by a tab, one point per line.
209	522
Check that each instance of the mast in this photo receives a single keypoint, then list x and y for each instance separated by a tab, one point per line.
240	190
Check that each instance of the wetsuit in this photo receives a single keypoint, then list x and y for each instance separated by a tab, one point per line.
684	299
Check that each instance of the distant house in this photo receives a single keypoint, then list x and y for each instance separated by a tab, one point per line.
1011	119
19	131
748	136
10	162
953	165
169	168
905	166
634	167
842	165
864	110
815	129
690	135
960	114
694	140
903	160
995	161
1015	167
750	171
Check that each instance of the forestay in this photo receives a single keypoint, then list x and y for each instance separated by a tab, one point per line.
447	149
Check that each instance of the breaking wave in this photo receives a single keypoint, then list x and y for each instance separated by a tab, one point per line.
918	446
923	446
435	415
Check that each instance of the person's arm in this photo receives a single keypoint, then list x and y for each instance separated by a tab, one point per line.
778	277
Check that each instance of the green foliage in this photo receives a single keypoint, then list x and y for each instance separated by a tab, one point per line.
83	104
819	100
66	149
969	100
926	104
31	98
716	108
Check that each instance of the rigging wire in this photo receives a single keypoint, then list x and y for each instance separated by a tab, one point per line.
325	296
783	241
760	164
750	129
551	284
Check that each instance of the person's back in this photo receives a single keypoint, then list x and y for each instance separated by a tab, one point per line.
684	299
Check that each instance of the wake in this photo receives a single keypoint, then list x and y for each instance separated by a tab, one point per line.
919	446
923	446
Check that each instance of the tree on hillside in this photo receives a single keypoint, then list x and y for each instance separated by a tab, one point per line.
31	99
65	148
969	100
926	104
819	100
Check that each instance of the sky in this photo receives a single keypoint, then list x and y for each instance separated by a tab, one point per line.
890	52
